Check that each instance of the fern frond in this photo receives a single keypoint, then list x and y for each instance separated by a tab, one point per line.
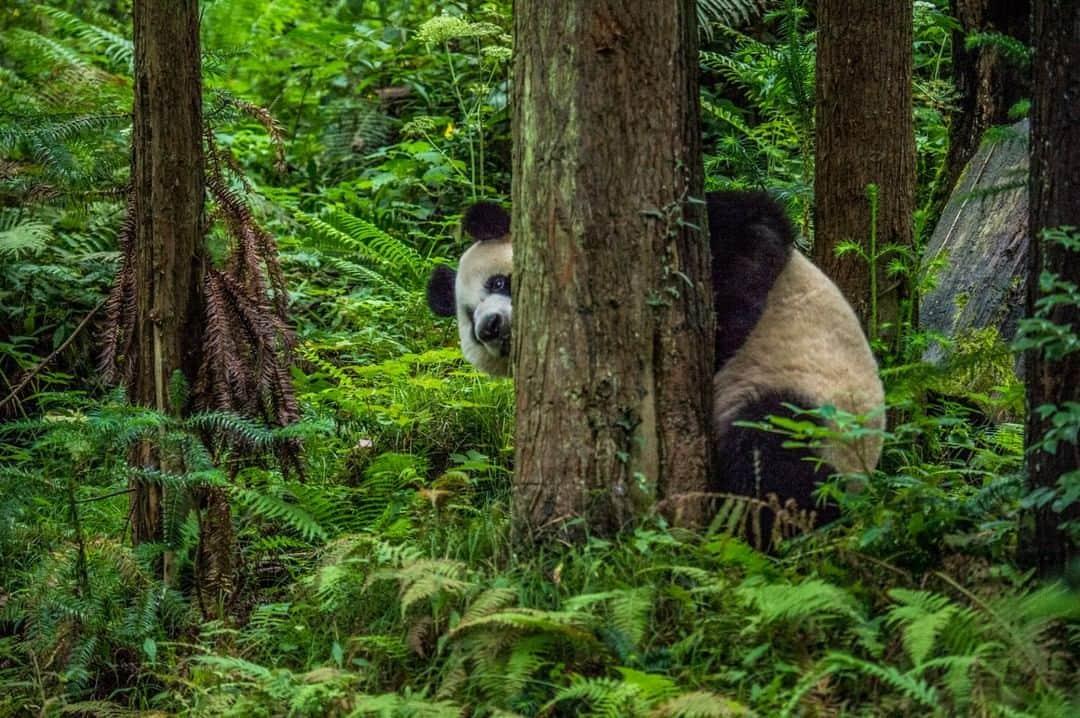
730	13
237	429
26	238
359	274
700	704
605	698
119	49
55	51
911	686
629	609
570	624
387	254
490	601
922	615
280	510
423	579
907	684
812	599
392	704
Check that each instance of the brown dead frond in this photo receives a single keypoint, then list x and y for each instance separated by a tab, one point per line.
763	523
247	343
117	365
264	118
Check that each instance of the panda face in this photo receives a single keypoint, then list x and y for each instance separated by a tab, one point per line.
479	292
484	313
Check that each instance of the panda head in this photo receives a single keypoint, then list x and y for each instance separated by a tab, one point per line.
479	291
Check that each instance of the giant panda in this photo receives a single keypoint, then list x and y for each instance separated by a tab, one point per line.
785	336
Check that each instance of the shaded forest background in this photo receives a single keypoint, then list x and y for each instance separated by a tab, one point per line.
330	512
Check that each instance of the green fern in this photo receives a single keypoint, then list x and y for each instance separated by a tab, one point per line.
629	609
55	51
835	662
600	698
490	601
393	260
391	705
427	580
280	509
119	49
922	616
700	704
574	625
811	600
730	13
18	239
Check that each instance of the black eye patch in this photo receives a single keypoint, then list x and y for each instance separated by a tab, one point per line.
498	284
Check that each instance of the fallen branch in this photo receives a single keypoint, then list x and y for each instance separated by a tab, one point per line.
45	362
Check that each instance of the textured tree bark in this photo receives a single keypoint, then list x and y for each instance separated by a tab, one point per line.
987	84
1055	202
613	316
168	187
864	136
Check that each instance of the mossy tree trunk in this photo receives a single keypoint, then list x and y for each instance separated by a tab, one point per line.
168	181
1055	202
613	326
864	135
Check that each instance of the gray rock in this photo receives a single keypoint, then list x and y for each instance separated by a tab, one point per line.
978	252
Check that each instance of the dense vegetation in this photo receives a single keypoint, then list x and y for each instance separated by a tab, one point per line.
376	576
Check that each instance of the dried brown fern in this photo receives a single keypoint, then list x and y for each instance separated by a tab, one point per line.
744	516
116	363
247	341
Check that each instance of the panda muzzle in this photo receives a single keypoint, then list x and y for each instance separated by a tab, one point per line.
492	328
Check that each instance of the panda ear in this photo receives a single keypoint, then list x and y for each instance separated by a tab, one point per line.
486	220
440	291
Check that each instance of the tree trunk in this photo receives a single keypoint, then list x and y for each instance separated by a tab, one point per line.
613	326
987	83
168	187
1055	189
865	136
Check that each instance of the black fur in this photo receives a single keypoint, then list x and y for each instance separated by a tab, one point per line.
440	291
498	284
753	462
751	240
486	220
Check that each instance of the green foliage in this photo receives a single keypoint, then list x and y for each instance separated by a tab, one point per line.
728	13
1053	335
770	143
380	579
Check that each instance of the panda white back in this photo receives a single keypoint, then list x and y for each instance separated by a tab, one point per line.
808	343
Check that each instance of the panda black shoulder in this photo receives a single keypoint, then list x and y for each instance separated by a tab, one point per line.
748	223
751	241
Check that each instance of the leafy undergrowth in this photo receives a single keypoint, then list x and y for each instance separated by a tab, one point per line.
385	582
379	577
656	623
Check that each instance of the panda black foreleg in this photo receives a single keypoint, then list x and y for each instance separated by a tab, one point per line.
753	462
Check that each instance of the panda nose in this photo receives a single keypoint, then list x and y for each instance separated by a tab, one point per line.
490	328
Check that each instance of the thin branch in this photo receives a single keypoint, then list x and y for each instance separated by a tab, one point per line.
121	492
45	362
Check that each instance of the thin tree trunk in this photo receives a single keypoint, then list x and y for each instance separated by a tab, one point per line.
168	186
865	136
1055	202
613	326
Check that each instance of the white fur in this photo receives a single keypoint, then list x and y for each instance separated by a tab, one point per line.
809	342
480	261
